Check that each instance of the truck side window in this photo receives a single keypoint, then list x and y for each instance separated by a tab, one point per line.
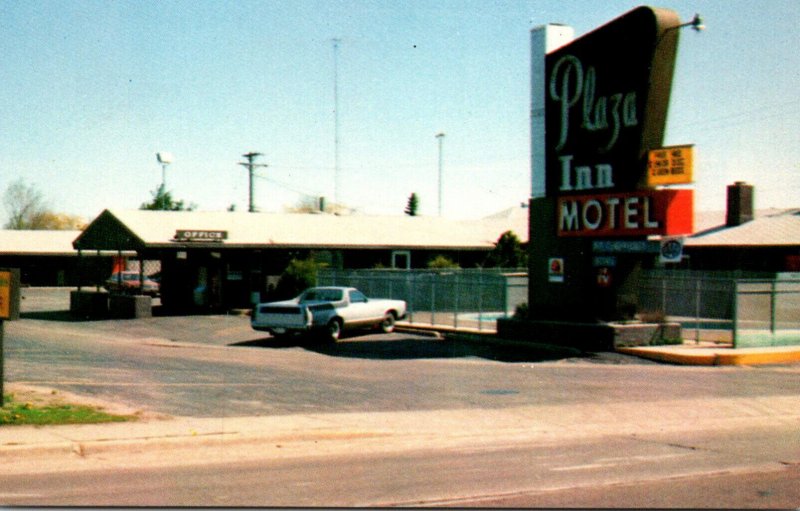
357	297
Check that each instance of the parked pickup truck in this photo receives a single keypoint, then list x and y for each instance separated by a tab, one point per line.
327	311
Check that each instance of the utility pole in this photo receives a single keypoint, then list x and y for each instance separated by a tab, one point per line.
251	165
440	138
336	120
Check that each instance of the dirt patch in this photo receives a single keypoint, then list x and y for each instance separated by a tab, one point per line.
44	396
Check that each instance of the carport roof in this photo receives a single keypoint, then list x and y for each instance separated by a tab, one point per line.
139	229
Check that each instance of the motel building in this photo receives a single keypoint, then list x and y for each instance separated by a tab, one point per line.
223	260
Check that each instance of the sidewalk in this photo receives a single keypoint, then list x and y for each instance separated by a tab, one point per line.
186	440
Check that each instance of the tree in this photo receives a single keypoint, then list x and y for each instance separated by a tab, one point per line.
162	201
48	220
413	205
27	209
508	252
23	203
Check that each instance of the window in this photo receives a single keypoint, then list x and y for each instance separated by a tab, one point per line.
401	259
357	297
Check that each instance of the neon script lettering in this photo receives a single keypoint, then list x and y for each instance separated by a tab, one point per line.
570	86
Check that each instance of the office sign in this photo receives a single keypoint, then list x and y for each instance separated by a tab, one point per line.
199	235
670	165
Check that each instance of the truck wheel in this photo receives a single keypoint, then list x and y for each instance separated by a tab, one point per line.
334	330
387	325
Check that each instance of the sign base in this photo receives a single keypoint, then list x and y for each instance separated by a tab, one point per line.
592	337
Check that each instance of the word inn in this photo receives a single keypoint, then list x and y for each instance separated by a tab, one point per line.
586	178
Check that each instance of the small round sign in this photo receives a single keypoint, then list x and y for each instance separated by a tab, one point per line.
671	249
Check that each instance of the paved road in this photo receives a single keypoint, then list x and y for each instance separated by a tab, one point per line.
719	467
232	371
613	423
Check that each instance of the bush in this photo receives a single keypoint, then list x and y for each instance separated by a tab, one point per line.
441	262
298	276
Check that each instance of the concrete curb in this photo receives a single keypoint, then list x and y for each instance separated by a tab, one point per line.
716	357
671	354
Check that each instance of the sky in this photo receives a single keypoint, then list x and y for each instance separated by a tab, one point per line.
90	91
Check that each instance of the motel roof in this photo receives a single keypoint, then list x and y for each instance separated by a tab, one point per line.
768	228
140	229
37	242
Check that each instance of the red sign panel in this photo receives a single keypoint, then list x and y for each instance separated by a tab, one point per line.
662	212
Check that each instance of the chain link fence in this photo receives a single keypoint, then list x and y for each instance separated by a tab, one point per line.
767	313
467	299
714	307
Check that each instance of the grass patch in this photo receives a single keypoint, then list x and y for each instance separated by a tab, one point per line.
15	413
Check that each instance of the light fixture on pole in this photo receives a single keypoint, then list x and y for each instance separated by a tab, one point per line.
251	165
164	159
696	24
440	138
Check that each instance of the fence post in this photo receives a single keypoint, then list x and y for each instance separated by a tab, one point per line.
505	296
735	313
412	292
772	307
480	300
433	301
455	306
697	284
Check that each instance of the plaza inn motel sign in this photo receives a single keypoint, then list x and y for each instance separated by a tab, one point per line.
599	106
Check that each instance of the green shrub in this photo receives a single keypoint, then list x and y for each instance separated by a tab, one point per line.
298	276
442	262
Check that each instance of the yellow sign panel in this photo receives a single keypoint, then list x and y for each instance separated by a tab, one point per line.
670	165
5	294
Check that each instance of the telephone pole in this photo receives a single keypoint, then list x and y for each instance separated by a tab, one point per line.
251	165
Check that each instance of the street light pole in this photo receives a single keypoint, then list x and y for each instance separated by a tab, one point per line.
164	159
336	42
440	138
251	165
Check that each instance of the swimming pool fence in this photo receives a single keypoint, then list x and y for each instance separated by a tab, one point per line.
747	311
465	299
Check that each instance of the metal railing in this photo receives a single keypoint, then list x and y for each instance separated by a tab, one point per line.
464	299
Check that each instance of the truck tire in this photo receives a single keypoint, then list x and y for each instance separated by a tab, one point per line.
334	329
387	325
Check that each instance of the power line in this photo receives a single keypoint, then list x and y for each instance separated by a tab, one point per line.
288	187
